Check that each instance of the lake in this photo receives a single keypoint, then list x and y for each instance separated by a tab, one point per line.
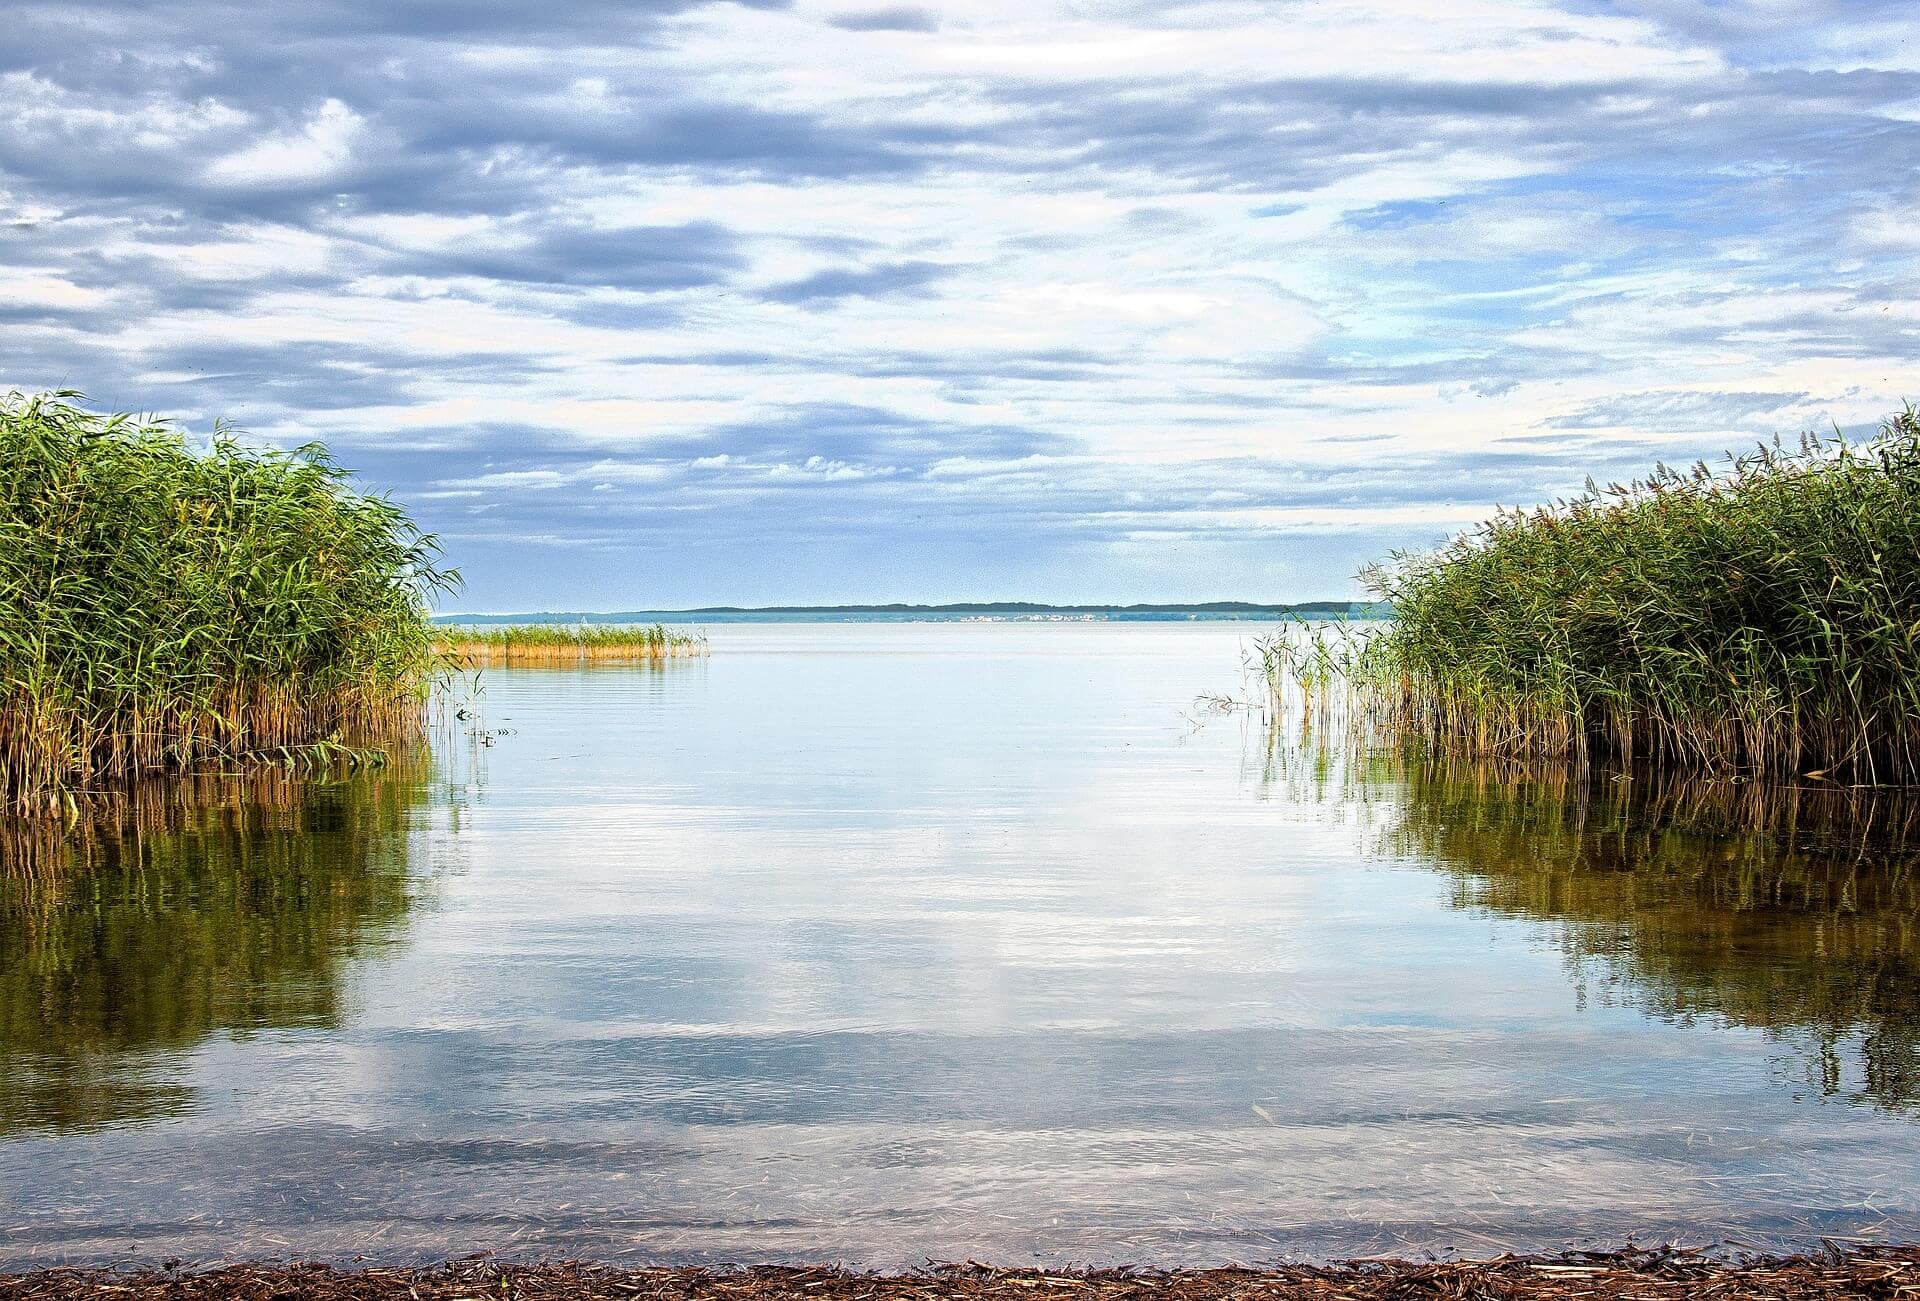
885	942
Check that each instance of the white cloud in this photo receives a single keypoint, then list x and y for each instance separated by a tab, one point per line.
1230	270
320	150
45	288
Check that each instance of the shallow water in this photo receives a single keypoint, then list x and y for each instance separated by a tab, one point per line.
893	942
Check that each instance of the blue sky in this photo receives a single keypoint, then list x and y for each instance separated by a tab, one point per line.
667	302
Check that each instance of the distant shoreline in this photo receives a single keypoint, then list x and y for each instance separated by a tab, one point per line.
955	610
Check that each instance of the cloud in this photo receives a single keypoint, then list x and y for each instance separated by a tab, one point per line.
775	300
894	18
1691	411
575	254
834	284
320	150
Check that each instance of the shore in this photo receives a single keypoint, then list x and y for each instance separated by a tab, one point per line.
1879	1272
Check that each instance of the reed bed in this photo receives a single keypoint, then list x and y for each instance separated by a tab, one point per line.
161	606
1763	618
534	644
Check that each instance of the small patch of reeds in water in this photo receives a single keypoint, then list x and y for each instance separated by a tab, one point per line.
537	644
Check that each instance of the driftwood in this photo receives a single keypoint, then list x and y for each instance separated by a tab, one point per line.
1648	1275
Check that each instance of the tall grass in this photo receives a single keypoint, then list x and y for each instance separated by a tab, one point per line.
1764	618
160	606
548	643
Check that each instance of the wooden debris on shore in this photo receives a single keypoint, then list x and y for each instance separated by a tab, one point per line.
1635	1275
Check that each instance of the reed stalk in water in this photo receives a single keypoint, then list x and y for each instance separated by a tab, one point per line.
1763	618
547	643
161	606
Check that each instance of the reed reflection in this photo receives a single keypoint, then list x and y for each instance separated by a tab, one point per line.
1793	910
185	910
1796	912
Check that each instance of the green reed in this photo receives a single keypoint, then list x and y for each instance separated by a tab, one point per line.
161	606
1765	617
536	643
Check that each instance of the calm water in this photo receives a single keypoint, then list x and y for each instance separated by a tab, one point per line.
879	943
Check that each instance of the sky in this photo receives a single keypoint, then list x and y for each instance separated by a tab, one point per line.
656	303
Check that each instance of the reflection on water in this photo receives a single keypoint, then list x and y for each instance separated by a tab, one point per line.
1795	911
214	905
887	942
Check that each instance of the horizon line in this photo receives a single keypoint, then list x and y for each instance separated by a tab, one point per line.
947	607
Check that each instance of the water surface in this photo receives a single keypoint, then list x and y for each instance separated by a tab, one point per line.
881	943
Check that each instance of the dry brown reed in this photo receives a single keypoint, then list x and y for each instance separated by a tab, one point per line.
565	645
